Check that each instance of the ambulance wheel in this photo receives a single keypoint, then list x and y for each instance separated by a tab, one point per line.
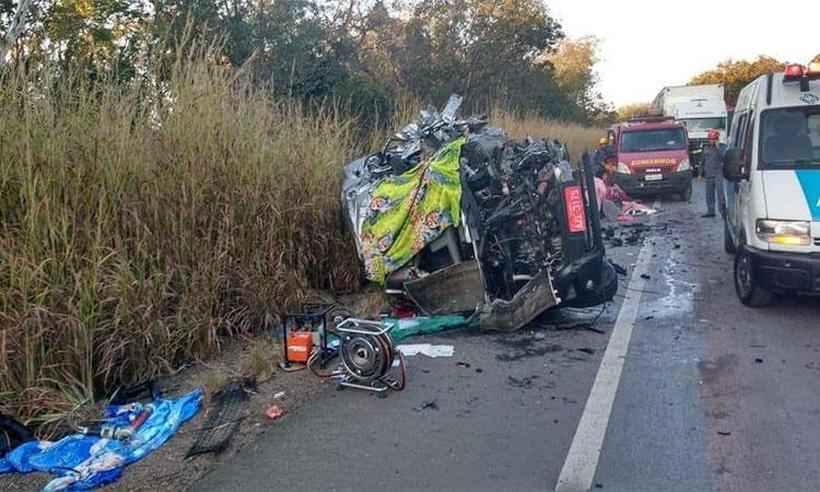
746	286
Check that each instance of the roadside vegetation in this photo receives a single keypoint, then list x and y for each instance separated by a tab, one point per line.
144	223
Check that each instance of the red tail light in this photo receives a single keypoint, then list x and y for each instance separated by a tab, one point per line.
576	212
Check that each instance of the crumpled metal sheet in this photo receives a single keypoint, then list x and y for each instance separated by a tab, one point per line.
455	289
534	298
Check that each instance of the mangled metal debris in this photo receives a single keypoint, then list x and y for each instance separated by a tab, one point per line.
459	218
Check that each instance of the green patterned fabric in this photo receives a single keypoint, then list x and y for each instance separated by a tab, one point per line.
409	211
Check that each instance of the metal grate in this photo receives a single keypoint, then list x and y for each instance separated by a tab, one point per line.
223	421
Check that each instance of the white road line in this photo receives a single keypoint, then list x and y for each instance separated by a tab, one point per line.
582	459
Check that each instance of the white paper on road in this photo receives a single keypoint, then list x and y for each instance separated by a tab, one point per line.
427	349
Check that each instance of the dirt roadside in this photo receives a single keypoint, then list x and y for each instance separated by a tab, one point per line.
259	356
167	468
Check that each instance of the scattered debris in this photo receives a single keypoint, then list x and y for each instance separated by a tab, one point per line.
525	382
427	349
84	462
635	209
465	365
279	395
274	412
618	268
587	350
528	352
645	276
724	433
222	422
758	360
427	405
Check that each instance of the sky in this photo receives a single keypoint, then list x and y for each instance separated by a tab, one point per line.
647	45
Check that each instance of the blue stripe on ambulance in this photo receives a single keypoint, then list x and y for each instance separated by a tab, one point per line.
810	183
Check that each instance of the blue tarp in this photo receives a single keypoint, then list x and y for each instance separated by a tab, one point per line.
85	462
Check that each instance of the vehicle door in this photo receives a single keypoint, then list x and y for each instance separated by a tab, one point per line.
731	189
744	198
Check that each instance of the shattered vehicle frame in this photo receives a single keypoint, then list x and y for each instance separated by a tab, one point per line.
528	237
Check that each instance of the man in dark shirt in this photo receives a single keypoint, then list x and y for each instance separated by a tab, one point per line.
713	172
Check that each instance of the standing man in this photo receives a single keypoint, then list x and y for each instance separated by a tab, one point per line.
713	172
600	154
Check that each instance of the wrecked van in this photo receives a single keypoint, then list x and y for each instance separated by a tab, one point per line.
456	217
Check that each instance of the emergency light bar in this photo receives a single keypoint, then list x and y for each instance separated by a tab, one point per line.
795	72
650	119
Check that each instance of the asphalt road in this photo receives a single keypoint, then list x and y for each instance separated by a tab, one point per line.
695	393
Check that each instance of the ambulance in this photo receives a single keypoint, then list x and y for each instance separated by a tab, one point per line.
772	187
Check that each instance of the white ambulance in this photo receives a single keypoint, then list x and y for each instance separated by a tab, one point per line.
772	186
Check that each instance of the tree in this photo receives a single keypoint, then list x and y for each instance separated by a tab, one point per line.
735	75
482	49
629	111
13	20
574	67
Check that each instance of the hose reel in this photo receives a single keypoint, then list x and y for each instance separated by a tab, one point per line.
368	357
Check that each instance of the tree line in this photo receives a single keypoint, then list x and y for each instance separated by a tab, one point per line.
362	54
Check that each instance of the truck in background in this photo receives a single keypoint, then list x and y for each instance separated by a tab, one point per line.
698	107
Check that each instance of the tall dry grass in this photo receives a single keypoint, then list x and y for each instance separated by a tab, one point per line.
578	138
140	224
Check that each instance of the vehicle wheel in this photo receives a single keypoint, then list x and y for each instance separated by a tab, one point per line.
728	244
686	194
749	293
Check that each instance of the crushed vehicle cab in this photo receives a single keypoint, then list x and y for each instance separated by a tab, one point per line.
458	218
653	157
772	171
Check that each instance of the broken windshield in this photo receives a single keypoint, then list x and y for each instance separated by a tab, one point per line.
790	138
653	140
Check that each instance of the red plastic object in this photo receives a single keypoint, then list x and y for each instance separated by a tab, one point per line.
300	344
576	215
403	312
274	412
